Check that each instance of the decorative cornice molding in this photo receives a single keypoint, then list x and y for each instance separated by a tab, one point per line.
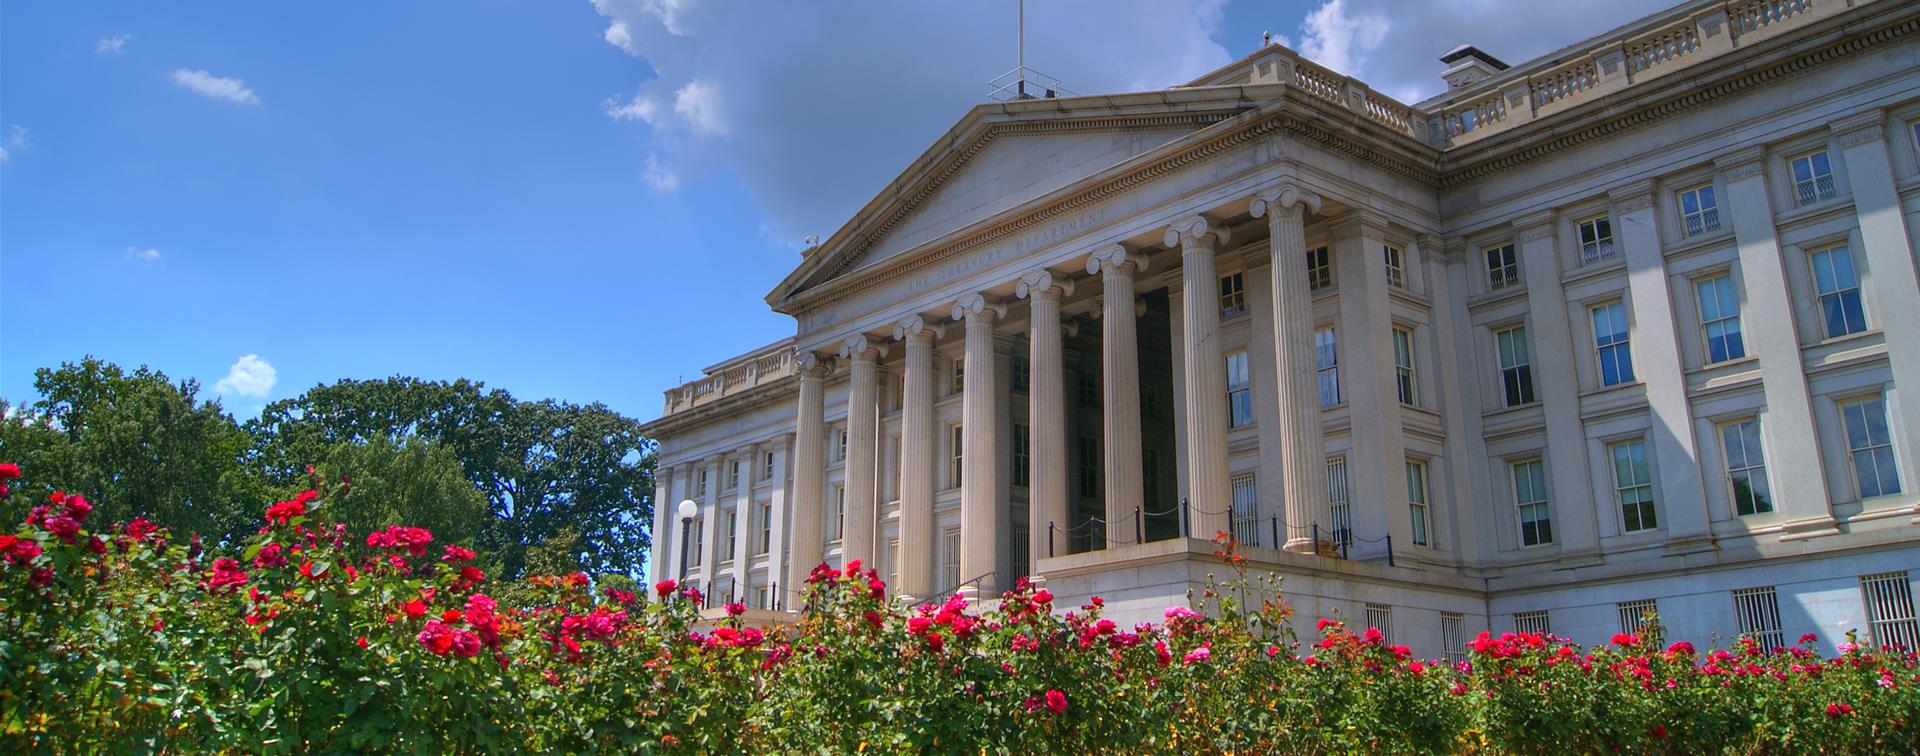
1195	233
974	305
1043	283
1358	223
1860	128
1115	258
919	327
1744	163
1534	226
1693	95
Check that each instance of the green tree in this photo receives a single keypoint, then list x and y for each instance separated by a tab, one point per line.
136	445
410	481
543	466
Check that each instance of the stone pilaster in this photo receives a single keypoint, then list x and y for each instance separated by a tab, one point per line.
1046	416
709	525
778	500
980	505
1656	362
1302	446
1890	257
1787	422
746	523
863	407
809	476
1120	392
1209	498
917	431
658	567
1550	343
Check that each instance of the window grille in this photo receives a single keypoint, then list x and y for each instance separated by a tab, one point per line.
1503	267
1381	616
950	559
1890	615
1813	178
1453	637
1699	213
1341	509
1246	502
1531	622
1633	614
1596	239
1021	548
1758	610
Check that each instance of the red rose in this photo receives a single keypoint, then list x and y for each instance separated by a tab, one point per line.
666	587
1373	635
1056	701
1625	639
1043	596
9	470
471	573
415	608
360	641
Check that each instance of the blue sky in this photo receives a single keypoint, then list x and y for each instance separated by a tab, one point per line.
580	199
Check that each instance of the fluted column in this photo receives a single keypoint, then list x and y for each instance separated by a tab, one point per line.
980	534
658	568
1046	417
916	458
1209	499
709	526
744	523
809	476
856	542
781	525
1120	392
1302	449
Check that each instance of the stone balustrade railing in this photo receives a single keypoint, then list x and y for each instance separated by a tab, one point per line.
755	369
1654	48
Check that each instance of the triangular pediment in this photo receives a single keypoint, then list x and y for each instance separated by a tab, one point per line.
997	159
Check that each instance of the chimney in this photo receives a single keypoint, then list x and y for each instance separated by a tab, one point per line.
1467	65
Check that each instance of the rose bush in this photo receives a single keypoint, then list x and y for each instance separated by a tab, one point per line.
315	635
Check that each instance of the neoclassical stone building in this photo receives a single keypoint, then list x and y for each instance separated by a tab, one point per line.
1633	325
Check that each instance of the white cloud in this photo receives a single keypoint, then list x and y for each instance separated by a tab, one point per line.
16	140
788	94
148	256
112	45
1395	46
249	376
216	87
699	104
658	177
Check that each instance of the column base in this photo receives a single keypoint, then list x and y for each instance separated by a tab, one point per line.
1301	546
1811	527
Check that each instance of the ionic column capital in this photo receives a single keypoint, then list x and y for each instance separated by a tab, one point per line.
808	363
974	306
1195	233
916	328
1041	283
859	347
1115	259
1286	201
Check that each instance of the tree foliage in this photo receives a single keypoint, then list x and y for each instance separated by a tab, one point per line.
543	466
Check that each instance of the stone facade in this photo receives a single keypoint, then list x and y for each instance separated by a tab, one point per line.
1612	329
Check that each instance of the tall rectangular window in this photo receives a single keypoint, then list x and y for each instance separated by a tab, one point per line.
1233	295
1090	470
731	536
1381	616
1403	384
954	469
1319	269
1530	499
1746	466
1758	611
949	559
1239	391
699	540
1246	503
1417	502
1838	287
1610	342
1339	508
1516	366
1087	385
840	451
1870	446
1699	212
766	528
1720	318
733	475
1326	359
1503	267
1813	177
1633	614
700	482
1021	547
1534	622
766	466
1453	637
839	513
1022	370
1890	615
1596	238
959	375
1633	485
1396	266
1022	455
